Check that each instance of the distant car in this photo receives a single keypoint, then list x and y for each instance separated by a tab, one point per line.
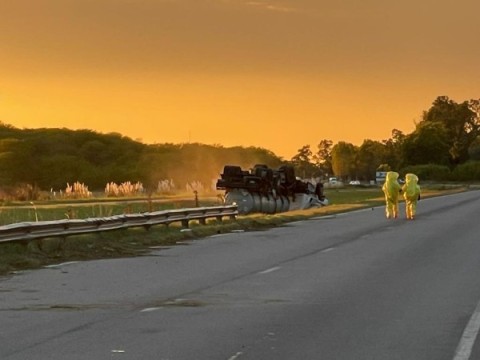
354	182
401	181
332	180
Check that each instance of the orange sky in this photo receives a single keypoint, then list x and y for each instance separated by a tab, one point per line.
268	73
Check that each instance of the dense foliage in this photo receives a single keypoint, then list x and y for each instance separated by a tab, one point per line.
445	145
49	159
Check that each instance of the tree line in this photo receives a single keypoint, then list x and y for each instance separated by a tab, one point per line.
49	159
444	145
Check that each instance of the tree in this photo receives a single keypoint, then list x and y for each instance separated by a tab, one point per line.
428	144
383	167
302	163
474	149
343	160
393	150
323	157
461	123
371	154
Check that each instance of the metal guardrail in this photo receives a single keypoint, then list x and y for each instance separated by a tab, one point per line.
27	231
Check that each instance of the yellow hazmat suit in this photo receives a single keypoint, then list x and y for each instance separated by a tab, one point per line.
411	194
391	189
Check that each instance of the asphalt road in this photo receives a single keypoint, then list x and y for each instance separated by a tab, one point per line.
352	286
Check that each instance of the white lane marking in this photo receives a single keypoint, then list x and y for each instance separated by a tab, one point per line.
62	264
327	250
270	270
150	309
470	333
236	356
324	217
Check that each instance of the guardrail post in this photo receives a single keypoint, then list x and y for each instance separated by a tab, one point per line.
196	198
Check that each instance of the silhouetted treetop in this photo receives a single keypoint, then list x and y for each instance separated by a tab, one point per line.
49	158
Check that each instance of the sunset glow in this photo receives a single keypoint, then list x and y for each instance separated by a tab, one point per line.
272	74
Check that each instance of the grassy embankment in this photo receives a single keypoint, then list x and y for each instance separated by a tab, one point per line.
17	256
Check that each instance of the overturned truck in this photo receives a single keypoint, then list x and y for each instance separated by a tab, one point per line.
266	190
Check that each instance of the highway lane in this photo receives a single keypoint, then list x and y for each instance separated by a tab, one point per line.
351	286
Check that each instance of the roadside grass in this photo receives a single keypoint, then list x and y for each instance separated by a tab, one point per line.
81	209
19	256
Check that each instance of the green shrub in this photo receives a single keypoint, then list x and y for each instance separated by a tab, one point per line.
431	172
469	171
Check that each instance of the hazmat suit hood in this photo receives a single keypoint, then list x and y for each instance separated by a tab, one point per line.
391	176
391	186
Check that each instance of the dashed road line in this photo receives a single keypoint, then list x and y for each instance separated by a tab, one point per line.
270	270
236	356
150	309
53	266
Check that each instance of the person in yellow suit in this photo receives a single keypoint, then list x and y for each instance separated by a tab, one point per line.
391	189
411	194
